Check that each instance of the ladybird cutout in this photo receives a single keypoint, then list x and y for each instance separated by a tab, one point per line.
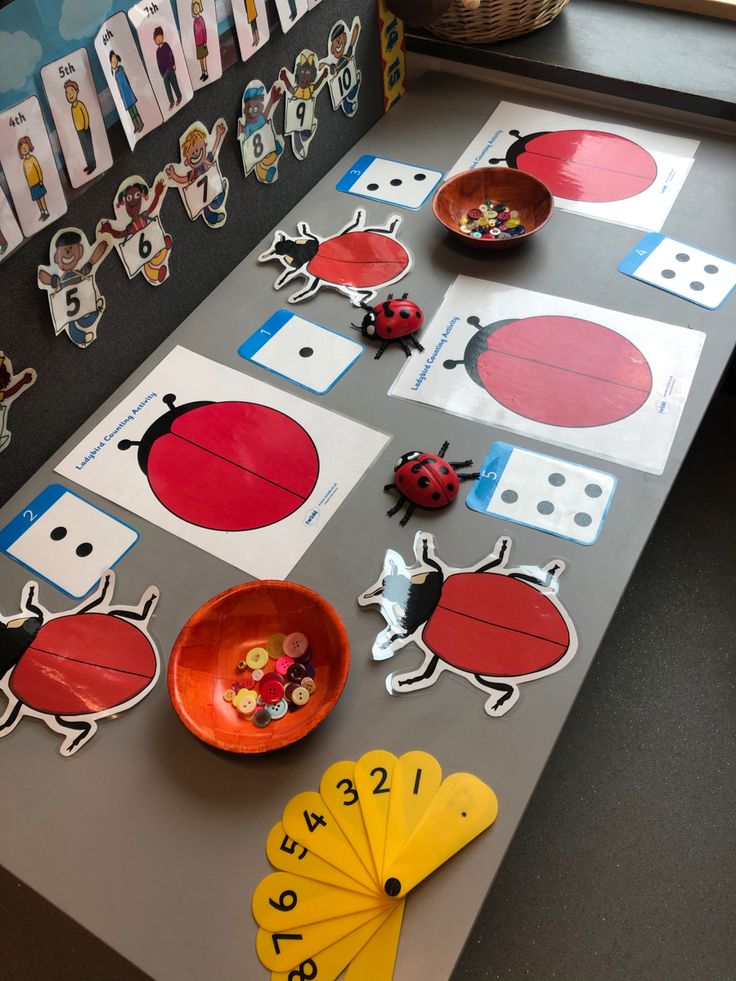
357	261
139	237
426	480
73	668
201	185
393	321
74	300
300	106
348	855
260	145
494	625
12	385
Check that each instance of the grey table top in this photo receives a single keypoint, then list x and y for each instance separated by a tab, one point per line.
154	841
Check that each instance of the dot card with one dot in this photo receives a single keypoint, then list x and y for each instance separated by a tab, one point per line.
390	181
304	352
691	273
66	540
543	492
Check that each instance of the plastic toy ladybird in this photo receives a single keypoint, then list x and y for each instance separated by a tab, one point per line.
357	262
227	466
393	321
73	668
426	481
583	164
495	626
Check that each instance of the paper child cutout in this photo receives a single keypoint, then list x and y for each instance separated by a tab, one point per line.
140	239
300	118
75	302
345	78
10	234
163	55
72	668
80	127
11	386
251	24
202	187
200	40
260	145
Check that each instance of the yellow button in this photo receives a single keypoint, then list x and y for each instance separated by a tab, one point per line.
310	685
275	645
229	695
512	222
300	695
245	702
242	665
257	657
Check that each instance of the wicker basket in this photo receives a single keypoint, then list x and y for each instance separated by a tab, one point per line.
495	20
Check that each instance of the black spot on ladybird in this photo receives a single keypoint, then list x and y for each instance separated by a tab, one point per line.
423	481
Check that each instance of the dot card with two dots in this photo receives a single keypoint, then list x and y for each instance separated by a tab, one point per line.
540	491
66	540
390	181
684	270
304	352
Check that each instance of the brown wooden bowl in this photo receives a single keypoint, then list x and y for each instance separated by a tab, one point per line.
519	191
204	659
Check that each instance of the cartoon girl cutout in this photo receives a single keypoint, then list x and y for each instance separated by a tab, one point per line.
255	123
11	386
125	89
200	38
33	175
304	86
132	195
197	160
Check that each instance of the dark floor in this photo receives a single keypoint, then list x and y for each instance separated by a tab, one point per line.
623	867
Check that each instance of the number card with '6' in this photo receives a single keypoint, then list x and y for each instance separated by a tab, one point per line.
137	232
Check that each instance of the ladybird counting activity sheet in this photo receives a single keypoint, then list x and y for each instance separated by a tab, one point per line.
230	464
603	170
566	373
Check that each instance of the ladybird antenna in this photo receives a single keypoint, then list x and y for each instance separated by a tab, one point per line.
125	444
515	132
169	400
452	364
356	327
474	322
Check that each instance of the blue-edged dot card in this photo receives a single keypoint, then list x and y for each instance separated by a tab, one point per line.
543	492
66	540
390	181
306	353
691	273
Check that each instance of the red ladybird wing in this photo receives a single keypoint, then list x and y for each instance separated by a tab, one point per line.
496	626
360	259
84	664
398	318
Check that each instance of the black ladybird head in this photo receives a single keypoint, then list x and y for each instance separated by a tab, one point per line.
15	639
299	251
160	427
516	149
475	347
406	458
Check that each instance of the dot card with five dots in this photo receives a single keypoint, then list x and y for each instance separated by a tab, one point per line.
390	181
684	270
347	856
540	491
67	540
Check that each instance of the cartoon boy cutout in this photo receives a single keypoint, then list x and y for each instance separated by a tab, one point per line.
260	145
80	118
79	309
197	160
304	87
341	53
132	195
11	386
167	67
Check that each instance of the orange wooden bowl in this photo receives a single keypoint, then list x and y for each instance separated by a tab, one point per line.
204	658
518	191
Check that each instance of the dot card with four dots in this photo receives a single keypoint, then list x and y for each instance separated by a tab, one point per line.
540	491
684	270
67	540
390	181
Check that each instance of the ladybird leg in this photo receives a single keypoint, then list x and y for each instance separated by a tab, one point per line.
405	347
83	728
12	716
390	487
460	464
500	556
409	512
28	605
415	342
397	507
496	706
356	223
99	598
462	477
389	228
137	614
312	287
382	348
426	676
286	277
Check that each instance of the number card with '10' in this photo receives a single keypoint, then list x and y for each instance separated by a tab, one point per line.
343	82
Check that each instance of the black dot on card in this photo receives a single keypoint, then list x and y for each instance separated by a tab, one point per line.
509	497
423	481
545	507
582	519
84	550
682	257
697	286
556	479
668	273
306	352
420	177
593	490
57	534
711	269
396	182
372	187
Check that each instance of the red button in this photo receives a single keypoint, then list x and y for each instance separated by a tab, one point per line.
271	691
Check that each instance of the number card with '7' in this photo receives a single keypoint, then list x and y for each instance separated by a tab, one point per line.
201	185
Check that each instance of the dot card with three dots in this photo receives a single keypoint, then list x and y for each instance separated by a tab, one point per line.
66	540
684	270
304	352
390	181
540	491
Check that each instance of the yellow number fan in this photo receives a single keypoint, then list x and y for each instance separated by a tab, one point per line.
347	857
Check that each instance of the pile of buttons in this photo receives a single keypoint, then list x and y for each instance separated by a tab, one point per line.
491	220
265	692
